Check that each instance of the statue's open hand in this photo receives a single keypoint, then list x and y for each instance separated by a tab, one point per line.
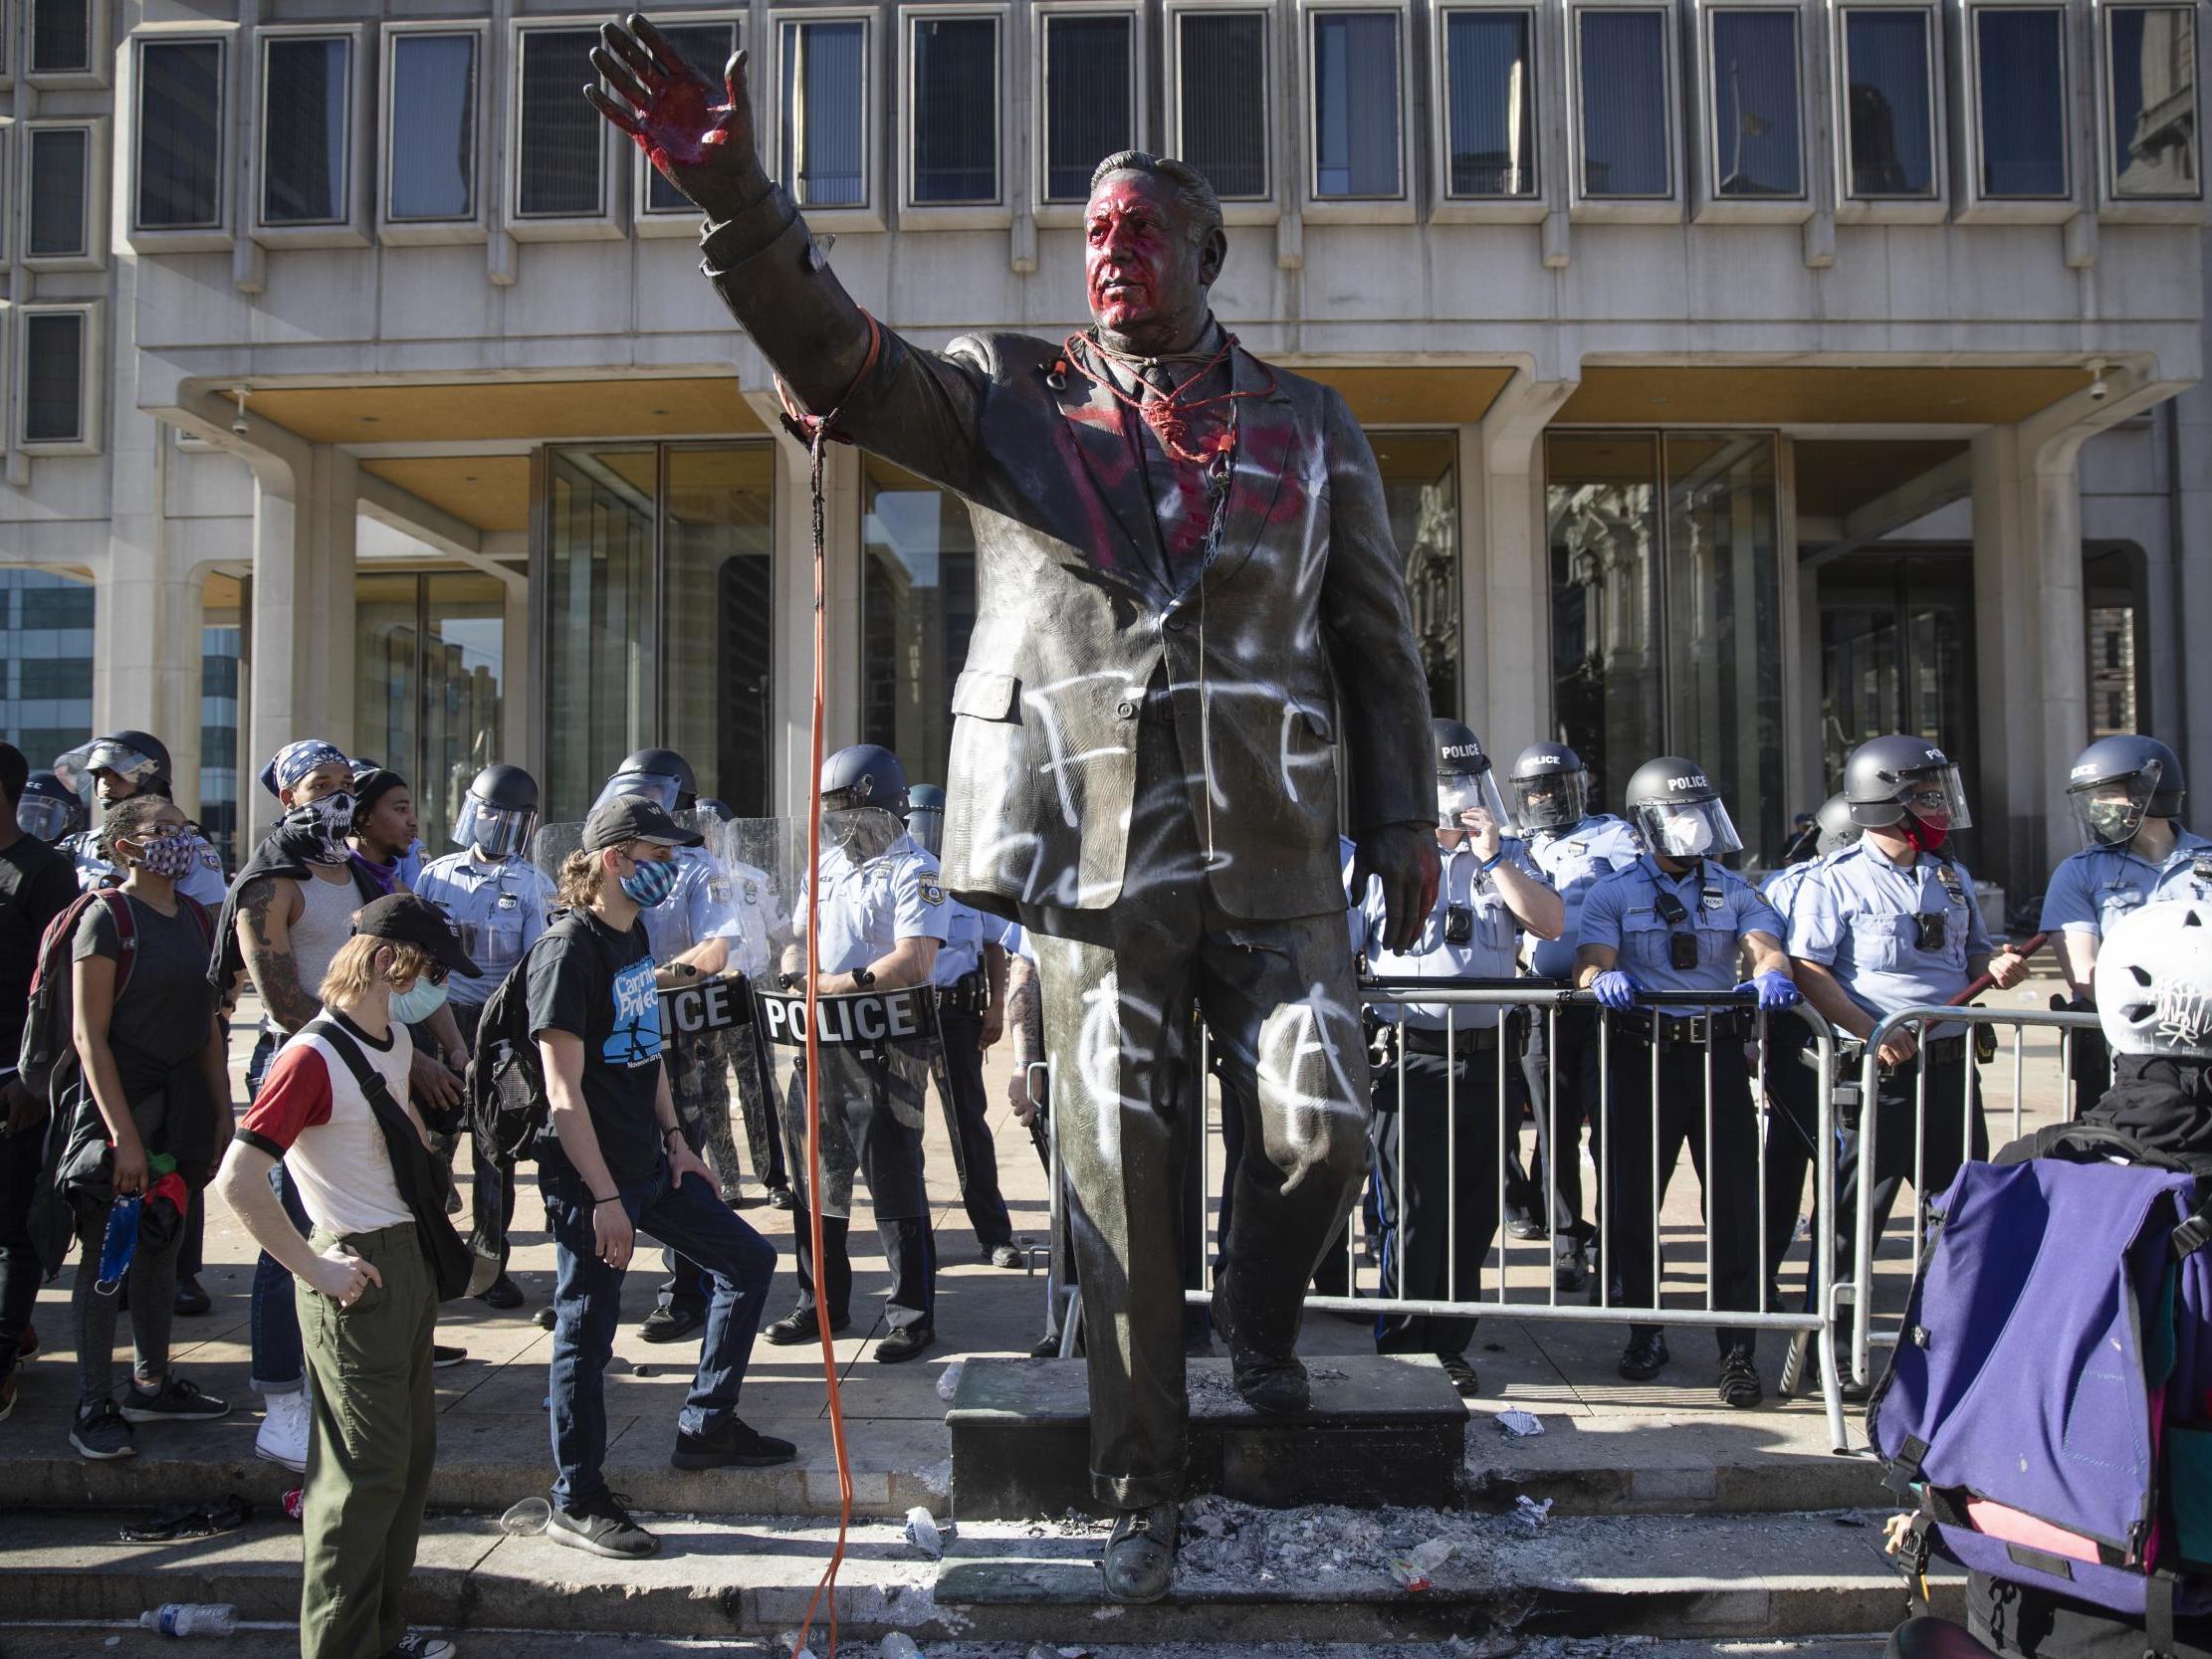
1403	857
698	135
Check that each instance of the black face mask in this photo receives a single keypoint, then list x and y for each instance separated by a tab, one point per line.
316	831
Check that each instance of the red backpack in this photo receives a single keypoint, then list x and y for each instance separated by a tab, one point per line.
49	1037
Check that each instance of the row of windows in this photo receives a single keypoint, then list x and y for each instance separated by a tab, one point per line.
1491	62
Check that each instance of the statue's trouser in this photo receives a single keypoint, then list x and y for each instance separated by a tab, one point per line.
1119	987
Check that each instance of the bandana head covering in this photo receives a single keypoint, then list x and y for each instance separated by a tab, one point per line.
295	760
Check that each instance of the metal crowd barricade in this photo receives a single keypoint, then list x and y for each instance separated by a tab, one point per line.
1813	1323
1973	1113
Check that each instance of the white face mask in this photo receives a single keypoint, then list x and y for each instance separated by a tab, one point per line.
1689	835
1462	795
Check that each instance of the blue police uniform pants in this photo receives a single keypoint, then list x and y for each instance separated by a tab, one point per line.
588	1305
1437	1139
1723	1149
279	1362
1560	1089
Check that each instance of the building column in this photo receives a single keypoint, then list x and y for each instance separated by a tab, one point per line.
1505	591
2185	721
2031	636
303	601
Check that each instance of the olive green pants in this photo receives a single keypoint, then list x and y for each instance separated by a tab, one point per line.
370	1452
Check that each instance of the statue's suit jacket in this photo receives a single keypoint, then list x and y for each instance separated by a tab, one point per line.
1289	660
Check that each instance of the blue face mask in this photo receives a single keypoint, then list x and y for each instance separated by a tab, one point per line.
650	884
418	1002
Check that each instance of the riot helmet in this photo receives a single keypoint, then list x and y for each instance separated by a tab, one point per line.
1888	781
925	817
1465	781
1551	788
2118	782
1838	829
864	774
721	812
498	814
659	774
140	759
1677	811
2153	982
48	810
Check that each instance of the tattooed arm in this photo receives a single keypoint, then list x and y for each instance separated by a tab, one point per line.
265	911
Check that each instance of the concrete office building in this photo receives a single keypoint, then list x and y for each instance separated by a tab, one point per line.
1747	376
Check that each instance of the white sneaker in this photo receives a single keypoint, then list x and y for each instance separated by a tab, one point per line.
284	1431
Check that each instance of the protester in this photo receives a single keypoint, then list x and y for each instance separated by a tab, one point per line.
157	1091
36	883
612	1160
365	1294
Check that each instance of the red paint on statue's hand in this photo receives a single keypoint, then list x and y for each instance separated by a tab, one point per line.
681	123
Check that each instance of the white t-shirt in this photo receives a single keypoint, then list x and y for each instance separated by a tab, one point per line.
311	1114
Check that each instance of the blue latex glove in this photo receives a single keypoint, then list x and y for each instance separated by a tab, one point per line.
1616	990
1777	990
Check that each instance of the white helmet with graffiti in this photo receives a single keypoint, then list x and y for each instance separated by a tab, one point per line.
2155	981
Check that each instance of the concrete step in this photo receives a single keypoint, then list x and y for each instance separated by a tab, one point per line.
1382	1429
1247	1575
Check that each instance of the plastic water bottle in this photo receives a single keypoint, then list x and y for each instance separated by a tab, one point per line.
117	1248
191	1619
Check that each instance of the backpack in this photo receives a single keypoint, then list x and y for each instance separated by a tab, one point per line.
49	1047
505	1083
2048	1410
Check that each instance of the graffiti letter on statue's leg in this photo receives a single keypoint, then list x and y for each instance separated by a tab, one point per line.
1191	622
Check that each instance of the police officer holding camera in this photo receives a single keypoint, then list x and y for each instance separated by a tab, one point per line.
1678	920
1888	925
1437	1127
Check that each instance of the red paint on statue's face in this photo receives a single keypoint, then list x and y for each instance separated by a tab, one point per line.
1142	273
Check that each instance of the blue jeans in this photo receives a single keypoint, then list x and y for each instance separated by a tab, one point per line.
691	1220
279	1365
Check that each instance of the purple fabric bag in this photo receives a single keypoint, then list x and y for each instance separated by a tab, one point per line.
2047	1407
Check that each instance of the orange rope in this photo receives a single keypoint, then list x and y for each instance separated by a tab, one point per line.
817	434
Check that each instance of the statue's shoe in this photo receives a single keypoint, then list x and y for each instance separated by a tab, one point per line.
1274	1383
1140	1556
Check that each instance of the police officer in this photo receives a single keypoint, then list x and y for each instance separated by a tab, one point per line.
1678	920
686	935
971	980
1792	1088
883	922
117	767
49	810
1576	848
1438	1153
2126	793
1891	924
755	929
502	902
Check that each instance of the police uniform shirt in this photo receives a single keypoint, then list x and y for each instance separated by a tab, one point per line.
411	865
1355	912
1491	950
204	882
1576	860
867	908
690	914
1623	912
2098	886
2187	871
1857	916
961	953
754	917
500	906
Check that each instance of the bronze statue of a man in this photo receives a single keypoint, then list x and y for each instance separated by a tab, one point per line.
1188	607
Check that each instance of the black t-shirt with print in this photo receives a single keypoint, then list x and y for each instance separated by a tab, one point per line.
597	984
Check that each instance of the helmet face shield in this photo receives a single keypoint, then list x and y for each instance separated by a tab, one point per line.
662	787
42	818
1687	829
1936	796
2113	809
79	767
1458	793
494	831
927	825
1550	801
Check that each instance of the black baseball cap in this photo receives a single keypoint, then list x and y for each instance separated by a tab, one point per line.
407	918
635	818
